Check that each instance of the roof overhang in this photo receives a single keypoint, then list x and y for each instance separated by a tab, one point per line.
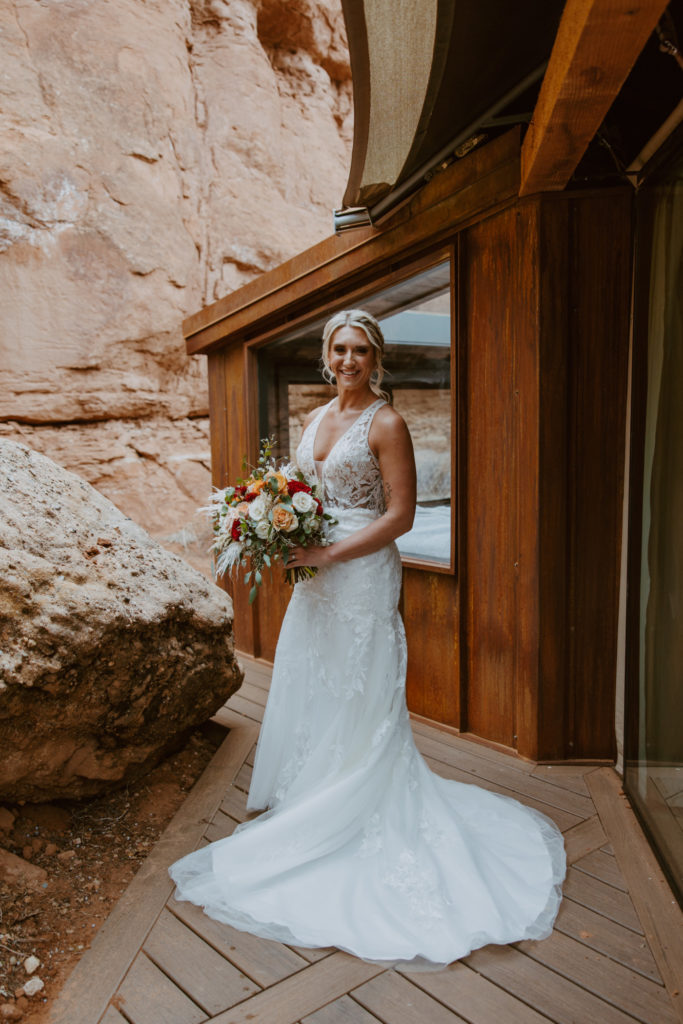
427	76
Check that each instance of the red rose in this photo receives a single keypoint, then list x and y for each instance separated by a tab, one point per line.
249	496
319	509
240	489
235	531
295	485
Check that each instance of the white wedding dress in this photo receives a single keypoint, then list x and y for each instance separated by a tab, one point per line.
364	848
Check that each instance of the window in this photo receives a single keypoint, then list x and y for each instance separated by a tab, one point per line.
415	316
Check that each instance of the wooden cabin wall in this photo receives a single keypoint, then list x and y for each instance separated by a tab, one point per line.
545	341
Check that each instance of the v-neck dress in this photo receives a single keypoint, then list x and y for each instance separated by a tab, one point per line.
362	846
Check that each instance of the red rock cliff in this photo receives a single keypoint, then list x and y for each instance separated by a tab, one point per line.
156	155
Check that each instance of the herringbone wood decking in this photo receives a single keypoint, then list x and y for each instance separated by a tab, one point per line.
614	958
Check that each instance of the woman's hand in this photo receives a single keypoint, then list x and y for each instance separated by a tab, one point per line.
313	555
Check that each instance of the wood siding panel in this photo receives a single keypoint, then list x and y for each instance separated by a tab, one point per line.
499	293
545	725
598	360
430	613
229	442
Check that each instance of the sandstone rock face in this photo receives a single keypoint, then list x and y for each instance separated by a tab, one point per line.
155	156
110	646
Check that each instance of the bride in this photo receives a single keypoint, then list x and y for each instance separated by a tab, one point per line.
363	847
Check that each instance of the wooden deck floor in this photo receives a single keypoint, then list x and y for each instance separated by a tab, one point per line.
615	957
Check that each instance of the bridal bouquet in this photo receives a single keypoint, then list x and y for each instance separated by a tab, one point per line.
260	519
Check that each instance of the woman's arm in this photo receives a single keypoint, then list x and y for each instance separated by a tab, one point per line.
390	439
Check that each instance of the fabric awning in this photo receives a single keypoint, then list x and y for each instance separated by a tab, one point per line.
426	74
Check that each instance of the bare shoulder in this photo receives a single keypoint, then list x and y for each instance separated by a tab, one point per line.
388	428
312	415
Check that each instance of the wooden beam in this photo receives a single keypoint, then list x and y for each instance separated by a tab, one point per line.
597	44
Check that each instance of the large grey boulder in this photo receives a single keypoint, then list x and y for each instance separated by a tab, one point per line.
110	646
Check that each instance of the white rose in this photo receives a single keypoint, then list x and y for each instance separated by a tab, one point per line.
262	528
258	508
303	501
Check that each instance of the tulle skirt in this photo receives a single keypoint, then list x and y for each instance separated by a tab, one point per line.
363	847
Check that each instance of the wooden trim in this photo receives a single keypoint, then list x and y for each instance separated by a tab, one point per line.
460	298
398	271
403	272
597	44
480	183
119	939
659	913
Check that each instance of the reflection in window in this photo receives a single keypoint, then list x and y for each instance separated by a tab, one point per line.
416	322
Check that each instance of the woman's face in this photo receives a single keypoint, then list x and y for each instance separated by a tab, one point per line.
351	358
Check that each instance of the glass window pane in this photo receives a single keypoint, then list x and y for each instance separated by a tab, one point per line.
416	321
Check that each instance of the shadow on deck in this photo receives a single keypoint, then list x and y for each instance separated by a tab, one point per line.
615	956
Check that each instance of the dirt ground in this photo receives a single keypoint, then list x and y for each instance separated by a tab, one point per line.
90	851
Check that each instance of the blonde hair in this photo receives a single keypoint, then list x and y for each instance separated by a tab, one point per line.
373	332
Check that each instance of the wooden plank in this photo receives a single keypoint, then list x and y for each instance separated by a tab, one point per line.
477	999
117	942
468	745
248	708
618	985
598	932
661	917
522	782
256	694
601	865
597	44
497	268
112	1016
589	835
567	776
562	819
601	275
295	997
608	901
228	444
395	1000
203	974
431	608
312	956
147	996
234	804
220	827
547	992
263	961
341	1011
546	478
243	777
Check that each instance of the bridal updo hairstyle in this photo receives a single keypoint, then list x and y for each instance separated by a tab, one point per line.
373	332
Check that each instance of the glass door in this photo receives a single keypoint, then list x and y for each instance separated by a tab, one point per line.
654	708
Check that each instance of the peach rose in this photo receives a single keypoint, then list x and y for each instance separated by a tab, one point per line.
281	479
284	519
242	509
256	486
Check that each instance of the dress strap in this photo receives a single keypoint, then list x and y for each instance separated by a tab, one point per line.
367	416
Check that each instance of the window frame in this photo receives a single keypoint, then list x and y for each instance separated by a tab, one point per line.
351	296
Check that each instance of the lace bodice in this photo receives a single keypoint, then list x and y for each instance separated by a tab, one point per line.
350	473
